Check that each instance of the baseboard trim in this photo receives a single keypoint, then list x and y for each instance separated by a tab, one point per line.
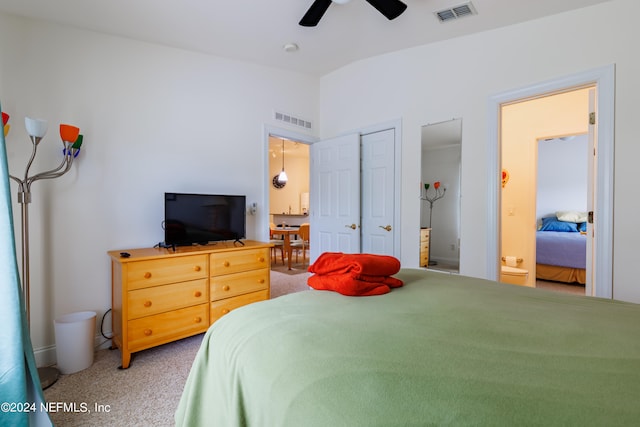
46	356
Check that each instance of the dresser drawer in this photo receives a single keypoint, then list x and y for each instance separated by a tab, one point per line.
241	260
234	284
143	274
221	307
424	234
158	299
165	327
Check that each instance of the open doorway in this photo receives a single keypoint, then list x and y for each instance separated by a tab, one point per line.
525	162
561	213
272	158
602	121
286	205
288	200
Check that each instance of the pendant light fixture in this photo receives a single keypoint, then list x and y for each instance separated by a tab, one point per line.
282	177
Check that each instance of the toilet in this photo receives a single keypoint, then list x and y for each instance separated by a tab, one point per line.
514	275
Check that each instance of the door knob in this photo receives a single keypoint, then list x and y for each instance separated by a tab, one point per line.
352	226
388	227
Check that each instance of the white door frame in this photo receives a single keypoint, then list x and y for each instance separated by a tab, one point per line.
263	215
604	79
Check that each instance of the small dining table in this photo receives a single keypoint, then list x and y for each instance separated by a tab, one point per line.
287	232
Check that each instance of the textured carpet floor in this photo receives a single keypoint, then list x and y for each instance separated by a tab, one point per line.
147	393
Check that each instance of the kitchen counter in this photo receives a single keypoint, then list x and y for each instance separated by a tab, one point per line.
289	219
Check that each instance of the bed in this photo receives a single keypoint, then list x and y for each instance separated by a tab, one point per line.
561	251
440	350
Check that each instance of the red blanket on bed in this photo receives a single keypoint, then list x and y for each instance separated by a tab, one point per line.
354	274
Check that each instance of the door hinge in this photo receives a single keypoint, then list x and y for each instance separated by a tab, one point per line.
590	217
592	118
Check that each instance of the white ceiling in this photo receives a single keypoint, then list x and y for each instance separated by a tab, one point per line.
256	30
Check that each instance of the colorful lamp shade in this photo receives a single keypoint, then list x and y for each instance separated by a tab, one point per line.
5	125
35	127
69	133
76	145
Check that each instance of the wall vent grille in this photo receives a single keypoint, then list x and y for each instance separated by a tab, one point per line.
456	12
292	120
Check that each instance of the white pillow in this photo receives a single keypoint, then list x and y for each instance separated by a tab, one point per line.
571	216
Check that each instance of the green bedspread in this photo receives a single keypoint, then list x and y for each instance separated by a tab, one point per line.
442	350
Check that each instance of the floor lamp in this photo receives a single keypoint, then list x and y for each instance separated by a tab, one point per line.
71	142
438	194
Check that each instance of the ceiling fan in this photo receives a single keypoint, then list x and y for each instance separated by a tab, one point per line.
389	8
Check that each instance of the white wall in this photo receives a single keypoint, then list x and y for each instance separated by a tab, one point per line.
154	119
456	78
562	176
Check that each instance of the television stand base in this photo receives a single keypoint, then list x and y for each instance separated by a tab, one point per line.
167	246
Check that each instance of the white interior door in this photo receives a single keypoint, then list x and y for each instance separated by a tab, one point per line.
378	192
335	196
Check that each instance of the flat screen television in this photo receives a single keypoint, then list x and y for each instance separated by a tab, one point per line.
191	219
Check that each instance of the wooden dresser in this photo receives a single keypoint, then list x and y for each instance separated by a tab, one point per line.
159	295
424	247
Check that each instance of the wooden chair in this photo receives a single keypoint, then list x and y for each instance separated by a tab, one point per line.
278	243
302	244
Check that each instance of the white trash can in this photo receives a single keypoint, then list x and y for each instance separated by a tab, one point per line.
74	341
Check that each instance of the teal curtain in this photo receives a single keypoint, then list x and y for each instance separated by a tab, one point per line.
19	381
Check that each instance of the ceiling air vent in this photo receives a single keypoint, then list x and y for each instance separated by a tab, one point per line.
456	12
292	120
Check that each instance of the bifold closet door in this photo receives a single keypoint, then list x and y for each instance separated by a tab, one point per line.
353	194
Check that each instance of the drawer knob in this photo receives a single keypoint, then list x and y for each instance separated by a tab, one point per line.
198	294
147	303
226	264
147	332
226	288
261	281
198	268
197	319
225	310
147	275
261	259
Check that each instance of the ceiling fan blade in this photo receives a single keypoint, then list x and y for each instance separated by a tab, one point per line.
315	12
389	8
